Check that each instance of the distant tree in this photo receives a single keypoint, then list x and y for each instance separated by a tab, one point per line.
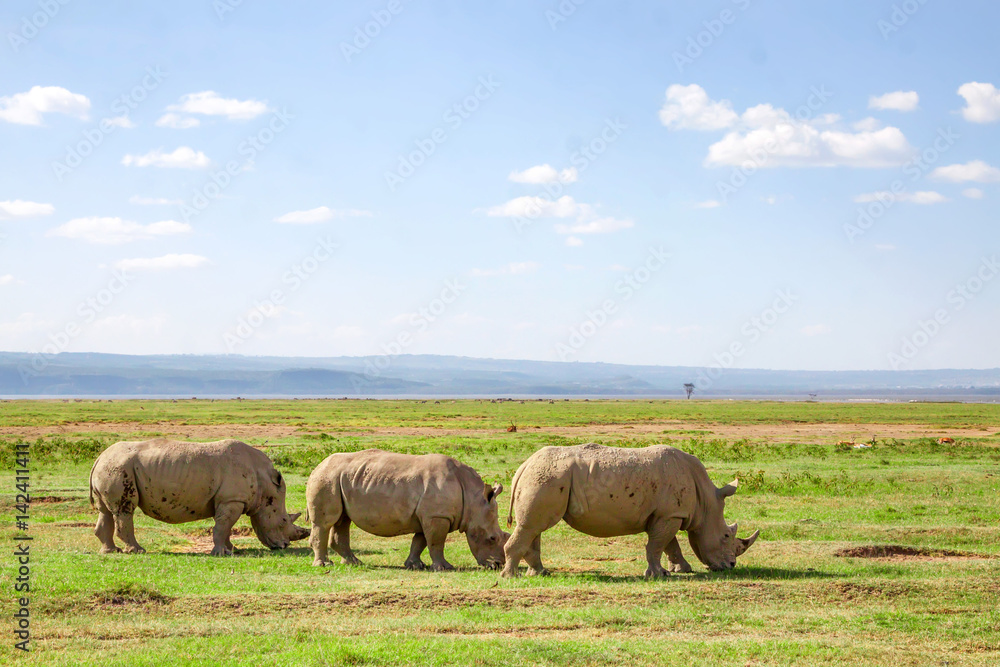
689	388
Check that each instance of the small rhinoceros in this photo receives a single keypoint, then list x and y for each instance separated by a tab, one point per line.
390	494
609	491
177	482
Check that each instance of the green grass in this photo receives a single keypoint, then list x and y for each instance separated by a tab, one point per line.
790	600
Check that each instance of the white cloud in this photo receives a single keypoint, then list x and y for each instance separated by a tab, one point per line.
165	263
767	136
982	102
113	231
711	203
596	226
920	197
896	101
348	331
26	323
973	193
320	214
19	208
27	108
177	122
117	325
182	158
574	242
6	279
539	207
543	173
815	329
153	201
209	103
512	269
977	171
689	108
120	121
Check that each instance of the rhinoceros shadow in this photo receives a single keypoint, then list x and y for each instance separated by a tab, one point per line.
739	574
263	552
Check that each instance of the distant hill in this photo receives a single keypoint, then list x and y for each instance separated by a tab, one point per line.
78	374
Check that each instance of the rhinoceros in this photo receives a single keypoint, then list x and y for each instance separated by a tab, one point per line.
609	491
177	482
389	494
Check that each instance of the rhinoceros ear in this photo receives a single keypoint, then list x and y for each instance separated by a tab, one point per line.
276	478
294	517
742	544
491	492
728	489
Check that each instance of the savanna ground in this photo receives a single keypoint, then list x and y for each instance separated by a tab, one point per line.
809	592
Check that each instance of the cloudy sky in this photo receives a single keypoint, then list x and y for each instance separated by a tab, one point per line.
735	183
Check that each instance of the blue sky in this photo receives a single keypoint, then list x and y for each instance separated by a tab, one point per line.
730	183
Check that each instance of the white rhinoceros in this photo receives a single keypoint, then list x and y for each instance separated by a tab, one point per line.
389	494
177	482
610	491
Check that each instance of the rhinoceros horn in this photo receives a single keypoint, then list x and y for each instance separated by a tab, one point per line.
745	543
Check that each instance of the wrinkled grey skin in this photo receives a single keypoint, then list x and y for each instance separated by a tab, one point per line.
177	482
609	491
390	494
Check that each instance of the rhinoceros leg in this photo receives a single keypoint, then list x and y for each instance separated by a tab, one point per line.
675	559
320	539
661	532
436	532
226	516
527	544
125	531
417	547
340	540
105	531
533	558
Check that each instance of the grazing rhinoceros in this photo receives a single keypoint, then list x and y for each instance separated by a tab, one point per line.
608	491
177	482
390	494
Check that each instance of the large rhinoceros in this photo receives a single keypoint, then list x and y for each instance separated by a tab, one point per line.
177	482
390	494
609	491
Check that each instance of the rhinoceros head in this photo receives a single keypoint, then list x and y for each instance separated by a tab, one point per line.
272	523
715	543
486	540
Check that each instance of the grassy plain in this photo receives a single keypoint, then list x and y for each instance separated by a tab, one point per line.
792	599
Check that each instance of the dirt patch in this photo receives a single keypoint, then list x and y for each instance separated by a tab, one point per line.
899	552
128	595
53	499
850	592
197	545
74	524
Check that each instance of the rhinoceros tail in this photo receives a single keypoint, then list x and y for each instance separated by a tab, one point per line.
92	505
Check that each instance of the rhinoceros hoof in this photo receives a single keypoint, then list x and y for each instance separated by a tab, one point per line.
134	550
110	550
510	573
679	567
221	551
353	560
538	573
656	574
414	565
442	567
319	562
